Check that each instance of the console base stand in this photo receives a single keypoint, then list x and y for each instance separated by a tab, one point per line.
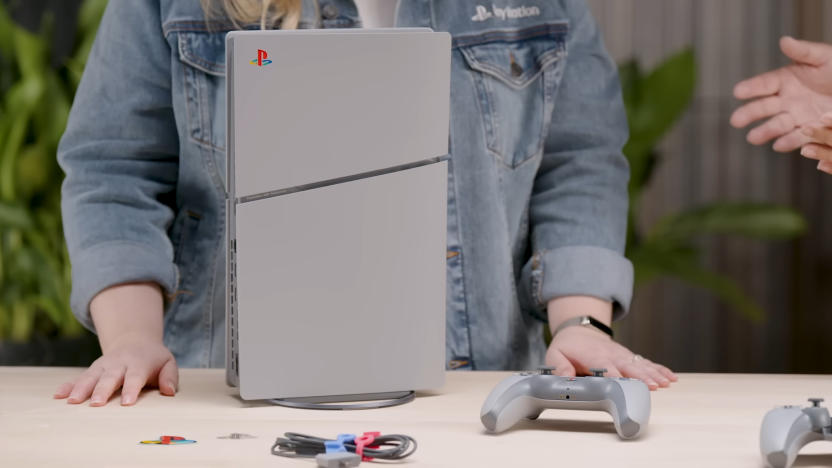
336	402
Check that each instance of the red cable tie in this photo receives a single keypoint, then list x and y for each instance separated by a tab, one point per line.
365	440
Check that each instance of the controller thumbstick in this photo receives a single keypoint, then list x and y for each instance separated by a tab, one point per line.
816	402
598	372
546	370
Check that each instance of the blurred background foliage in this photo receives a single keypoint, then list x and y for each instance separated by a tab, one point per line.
35	98
654	101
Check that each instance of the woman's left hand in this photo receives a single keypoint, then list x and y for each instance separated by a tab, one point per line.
575	350
820	147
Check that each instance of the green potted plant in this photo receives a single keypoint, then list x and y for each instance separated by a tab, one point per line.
654	101
36	324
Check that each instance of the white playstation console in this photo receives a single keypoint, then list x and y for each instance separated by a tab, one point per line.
337	196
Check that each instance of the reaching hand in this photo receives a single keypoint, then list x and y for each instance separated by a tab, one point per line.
820	147
791	97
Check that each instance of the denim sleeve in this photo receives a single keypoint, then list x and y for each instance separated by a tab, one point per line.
120	156
578	207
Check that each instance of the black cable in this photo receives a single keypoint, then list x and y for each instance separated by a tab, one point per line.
389	447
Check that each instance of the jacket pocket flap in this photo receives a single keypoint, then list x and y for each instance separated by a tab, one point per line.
204	51
516	56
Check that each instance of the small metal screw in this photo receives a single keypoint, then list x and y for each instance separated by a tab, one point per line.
816	402
236	436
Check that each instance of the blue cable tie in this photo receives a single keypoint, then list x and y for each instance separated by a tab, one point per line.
334	446
346	438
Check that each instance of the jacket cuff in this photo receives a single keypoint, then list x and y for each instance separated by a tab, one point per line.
579	271
109	264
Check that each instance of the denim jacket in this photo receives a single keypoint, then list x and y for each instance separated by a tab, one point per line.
537	181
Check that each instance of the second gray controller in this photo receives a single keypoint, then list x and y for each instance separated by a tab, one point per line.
786	429
526	395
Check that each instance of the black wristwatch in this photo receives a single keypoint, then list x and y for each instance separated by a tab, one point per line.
584	321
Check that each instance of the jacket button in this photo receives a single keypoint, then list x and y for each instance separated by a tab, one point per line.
516	69
329	11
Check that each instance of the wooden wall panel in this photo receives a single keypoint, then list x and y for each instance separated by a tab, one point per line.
705	161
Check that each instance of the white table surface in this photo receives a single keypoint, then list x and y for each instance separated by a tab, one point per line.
704	420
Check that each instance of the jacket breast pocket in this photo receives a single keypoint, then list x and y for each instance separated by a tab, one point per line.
203	58
516	73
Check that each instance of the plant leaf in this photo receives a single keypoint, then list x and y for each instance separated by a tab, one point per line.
648	258
654	103
7	31
15	216
31	52
631	78
51	309
2	273
33	170
23	321
4	314
89	16
53	113
651	262
8	159
23	97
755	220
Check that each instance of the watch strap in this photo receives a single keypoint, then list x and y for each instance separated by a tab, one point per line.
584	321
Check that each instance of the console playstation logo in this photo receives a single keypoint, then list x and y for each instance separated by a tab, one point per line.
262	58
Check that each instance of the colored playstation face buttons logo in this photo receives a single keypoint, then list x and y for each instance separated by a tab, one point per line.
262	58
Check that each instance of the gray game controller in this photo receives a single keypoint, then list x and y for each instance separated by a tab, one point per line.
788	428
526	395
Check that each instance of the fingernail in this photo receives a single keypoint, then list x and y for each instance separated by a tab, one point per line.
826	119
807	151
808	131
127	401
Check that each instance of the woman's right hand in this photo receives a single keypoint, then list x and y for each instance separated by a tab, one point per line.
128	319
131	363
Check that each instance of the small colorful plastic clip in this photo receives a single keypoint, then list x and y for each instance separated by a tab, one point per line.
365	440
168	440
334	446
345	438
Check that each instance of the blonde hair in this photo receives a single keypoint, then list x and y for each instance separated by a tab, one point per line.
268	13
